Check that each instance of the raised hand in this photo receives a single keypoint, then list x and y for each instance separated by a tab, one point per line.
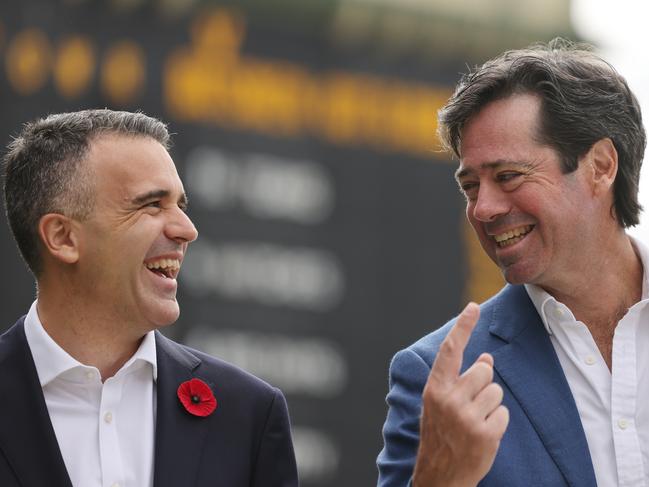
463	419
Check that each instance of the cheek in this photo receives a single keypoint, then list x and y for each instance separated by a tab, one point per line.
470	207
479	231
475	224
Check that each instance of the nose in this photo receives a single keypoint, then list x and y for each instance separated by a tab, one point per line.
491	203
180	227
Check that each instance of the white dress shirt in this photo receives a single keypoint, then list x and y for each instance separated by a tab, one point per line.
105	430
613	405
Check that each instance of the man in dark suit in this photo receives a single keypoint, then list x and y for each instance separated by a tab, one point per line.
545	384
93	394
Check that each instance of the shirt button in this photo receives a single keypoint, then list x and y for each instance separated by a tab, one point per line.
90	375
622	423
590	360
108	417
116	484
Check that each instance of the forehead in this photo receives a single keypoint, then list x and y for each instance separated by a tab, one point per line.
504	131
131	164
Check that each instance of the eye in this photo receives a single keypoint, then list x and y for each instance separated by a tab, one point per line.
507	176
510	180
153	204
469	189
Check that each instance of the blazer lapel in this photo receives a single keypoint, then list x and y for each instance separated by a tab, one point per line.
179	436
27	438
529	366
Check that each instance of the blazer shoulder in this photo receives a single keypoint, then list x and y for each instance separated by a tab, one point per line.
14	330
218	371
211	363
13	337
481	338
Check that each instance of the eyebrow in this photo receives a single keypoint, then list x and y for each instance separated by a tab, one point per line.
157	194
460	173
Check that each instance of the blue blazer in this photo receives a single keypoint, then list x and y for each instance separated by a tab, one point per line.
544	444
246	441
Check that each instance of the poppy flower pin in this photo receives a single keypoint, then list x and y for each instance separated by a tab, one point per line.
197	398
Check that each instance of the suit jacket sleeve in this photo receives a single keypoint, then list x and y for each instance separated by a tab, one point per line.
275	464
408	376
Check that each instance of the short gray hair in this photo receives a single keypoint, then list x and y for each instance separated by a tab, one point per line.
44	170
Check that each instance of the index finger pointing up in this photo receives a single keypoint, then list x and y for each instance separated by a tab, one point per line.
448	362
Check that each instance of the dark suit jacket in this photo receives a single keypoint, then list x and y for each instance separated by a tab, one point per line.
544	444
245	442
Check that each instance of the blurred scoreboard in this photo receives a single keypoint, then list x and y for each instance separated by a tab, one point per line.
331	232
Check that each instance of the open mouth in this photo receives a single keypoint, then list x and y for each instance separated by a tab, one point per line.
167	268
512	236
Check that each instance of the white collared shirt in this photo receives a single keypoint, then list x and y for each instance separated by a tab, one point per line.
105	430
613	405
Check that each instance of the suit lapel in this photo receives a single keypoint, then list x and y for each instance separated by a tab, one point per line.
27	438
529	366
179	435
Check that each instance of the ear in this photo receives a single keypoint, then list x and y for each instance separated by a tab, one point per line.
59	237
602	158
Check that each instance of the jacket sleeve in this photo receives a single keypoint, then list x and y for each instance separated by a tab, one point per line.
275	464
408	376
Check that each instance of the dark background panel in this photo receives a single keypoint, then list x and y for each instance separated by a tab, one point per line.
327	243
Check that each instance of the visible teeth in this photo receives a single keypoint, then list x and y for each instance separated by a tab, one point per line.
510	237
168	264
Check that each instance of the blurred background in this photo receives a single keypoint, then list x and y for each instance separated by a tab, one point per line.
331	230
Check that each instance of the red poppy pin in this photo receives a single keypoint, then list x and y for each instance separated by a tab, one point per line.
197	397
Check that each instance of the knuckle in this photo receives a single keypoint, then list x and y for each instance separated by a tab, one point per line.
501	420
500	393
489	434
485	370
433	395
479	373
449	345
492	433
505	413
495	392
428	394
467	417
446	405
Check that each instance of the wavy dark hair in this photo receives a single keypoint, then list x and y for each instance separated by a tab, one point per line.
583	100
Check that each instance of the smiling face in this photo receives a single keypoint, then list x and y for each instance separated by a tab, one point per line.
133	243
533	221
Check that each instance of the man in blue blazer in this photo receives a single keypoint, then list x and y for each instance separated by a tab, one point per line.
93	394
545	383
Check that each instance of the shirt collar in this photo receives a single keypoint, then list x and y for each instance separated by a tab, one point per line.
51	360
542	300
146	353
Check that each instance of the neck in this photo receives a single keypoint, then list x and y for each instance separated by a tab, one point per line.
609	283
603	289
92	337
